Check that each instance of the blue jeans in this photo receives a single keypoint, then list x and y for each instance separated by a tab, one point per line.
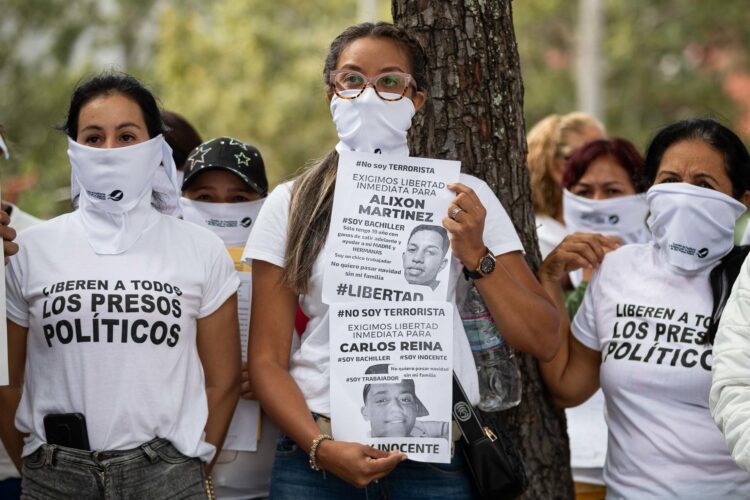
293	479
155	470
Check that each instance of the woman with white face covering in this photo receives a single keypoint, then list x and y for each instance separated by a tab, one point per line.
376	79
601	196
224	187
648	320
113	346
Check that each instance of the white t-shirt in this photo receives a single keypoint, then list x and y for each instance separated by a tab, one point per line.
550	233
20	220
647	321
114	336
309	362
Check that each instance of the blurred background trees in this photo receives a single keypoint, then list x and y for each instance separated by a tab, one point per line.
252	69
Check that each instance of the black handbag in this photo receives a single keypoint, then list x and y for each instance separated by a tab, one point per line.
495	464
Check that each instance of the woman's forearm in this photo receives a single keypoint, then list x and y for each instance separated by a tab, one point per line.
222	402
572	375
283	401
527	319
12	439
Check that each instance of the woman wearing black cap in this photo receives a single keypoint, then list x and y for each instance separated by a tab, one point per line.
225	185
118	344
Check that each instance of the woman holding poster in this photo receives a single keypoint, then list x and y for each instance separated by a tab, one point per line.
377	80
124	353
647	323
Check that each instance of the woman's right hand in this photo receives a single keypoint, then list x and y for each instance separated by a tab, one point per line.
576	251
355	463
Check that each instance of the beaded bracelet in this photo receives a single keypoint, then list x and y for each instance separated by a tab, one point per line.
314	450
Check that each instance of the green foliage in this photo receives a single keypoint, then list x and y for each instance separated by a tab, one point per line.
252	69
664	60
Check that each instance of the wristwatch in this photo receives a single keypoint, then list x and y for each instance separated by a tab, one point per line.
486	266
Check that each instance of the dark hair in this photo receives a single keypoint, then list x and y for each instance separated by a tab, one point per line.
181	137
713	133
431	227
105	84
620	149
737	163
312	193
414	51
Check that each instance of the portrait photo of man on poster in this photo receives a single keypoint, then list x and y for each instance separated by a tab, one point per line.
392	409
425	255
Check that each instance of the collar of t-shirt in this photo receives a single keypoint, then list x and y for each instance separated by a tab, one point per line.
231	222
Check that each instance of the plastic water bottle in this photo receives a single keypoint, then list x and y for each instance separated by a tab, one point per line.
499	376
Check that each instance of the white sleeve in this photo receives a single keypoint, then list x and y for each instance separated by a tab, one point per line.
221	279
583	326
267	241
729	400
499	233
16	305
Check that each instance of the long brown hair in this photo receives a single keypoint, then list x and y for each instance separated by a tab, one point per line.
312	194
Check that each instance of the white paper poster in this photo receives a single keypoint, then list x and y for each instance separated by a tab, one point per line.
391	376
3	329
244	430
386	240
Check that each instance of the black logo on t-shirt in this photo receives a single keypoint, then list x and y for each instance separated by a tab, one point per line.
115	195
246	222
613	219
703	252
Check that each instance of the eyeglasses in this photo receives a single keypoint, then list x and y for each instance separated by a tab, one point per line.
349	84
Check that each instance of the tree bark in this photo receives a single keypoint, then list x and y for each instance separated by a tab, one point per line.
475	115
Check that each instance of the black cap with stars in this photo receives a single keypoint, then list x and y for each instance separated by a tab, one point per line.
228	154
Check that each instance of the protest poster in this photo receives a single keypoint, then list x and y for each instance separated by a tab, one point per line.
391	374
244	430
386	240
3	331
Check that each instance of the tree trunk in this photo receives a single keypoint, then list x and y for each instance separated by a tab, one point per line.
475	115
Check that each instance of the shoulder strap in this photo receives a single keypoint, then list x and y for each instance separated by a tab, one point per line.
464	414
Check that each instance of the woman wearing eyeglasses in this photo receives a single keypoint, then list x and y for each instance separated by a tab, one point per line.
376	76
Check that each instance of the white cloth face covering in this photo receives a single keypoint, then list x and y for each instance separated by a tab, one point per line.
114	188
166	183
180	178
624	216
369	124
231	222
693	227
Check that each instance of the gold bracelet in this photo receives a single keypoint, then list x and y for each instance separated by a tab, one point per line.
314	450
210	487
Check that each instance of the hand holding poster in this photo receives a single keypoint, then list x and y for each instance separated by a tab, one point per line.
386	240
390	367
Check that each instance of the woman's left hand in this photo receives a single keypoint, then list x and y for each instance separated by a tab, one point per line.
466	227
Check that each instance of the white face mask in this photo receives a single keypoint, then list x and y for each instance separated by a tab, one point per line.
624	216
180	175
693	227
165	182
231	222
115	187
369	124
